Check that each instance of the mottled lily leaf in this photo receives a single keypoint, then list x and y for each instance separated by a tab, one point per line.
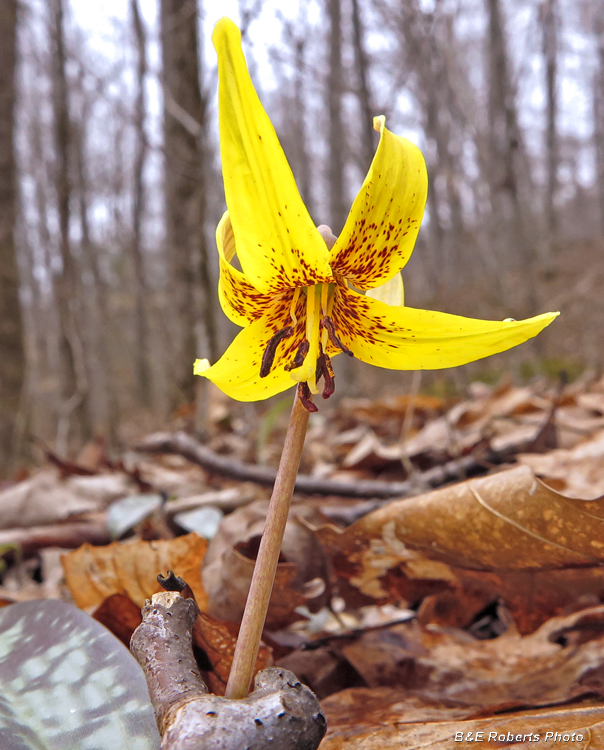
66	682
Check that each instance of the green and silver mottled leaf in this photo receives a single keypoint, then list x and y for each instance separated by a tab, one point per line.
67	682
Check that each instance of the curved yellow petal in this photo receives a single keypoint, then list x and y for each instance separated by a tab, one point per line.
241	301
277	243
382	226
392	292
403	338
237	372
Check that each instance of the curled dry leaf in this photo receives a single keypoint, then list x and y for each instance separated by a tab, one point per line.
577	472
228	567
506	535
218	638
505	521
95	573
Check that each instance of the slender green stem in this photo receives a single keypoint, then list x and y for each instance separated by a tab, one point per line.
252	624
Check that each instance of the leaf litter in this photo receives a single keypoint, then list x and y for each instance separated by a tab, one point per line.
476	606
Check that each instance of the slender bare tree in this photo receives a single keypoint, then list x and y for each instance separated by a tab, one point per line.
361	60
549	25
11	333
73	382
141	293
337	142
185	164
597	23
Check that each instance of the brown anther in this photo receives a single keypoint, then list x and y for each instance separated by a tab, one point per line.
301	353
305	397
333	337
329	378
271	349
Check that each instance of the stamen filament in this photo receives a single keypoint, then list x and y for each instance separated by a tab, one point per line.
294	305
333	336
271	349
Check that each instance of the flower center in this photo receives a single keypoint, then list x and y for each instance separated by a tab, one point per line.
311	361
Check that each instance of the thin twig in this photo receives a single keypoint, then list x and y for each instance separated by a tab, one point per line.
184	445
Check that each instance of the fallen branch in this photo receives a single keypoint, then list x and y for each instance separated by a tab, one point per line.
280	713
184	445
65	535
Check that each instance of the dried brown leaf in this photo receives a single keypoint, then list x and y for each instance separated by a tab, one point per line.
505	521
230	561
562	660
46	498
95	573
218	638
406	726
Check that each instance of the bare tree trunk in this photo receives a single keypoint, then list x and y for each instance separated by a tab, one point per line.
294	135
141	351
12	365
185	163
510	226
427	38
364	94
549	20
300	121
73	385
102	324
598	109
335	85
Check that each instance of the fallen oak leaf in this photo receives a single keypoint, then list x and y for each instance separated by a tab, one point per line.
506	521
95	573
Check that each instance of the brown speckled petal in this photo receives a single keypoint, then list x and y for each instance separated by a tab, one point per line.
403	338
381	229
237	372
241	302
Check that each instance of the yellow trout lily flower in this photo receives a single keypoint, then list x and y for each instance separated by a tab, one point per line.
296	298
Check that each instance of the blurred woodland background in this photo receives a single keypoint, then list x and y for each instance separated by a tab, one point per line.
110	185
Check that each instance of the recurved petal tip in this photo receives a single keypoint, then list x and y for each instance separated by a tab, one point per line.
200	366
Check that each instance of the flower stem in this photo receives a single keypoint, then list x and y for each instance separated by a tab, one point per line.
252	624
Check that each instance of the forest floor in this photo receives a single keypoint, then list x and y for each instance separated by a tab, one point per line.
442	570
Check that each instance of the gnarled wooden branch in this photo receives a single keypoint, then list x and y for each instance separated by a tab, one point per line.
281	713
